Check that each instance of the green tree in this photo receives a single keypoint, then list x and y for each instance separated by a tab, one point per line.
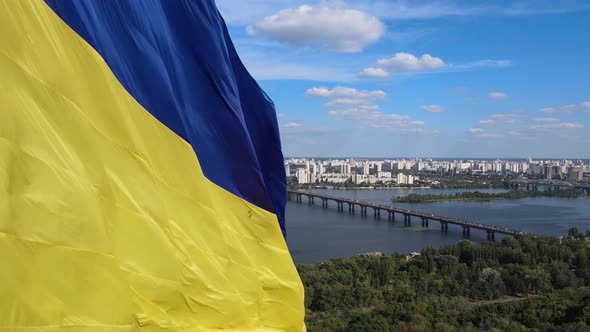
490	284
368	322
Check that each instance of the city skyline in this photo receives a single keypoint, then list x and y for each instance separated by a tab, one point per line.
372	171
430	157
443	78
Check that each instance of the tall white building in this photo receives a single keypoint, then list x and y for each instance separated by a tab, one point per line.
345	168
384	175
405	179
366	168
302	177
314	168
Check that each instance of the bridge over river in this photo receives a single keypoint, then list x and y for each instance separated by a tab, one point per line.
425	218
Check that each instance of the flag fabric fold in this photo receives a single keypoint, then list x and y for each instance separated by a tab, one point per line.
141	176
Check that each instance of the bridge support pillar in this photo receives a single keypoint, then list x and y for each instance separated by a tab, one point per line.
351	208
444	227
466	231
491	236
299	198
391	216
310	200
363	210
407	220
377	213
425	222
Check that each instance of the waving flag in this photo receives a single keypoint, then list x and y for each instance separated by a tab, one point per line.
141	175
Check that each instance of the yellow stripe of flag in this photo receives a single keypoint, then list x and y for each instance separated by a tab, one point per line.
99	230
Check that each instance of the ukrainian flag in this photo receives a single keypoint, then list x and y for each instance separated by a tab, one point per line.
141	176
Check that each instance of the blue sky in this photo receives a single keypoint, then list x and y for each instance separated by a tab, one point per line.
378	78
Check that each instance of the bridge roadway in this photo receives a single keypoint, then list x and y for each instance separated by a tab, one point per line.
408	214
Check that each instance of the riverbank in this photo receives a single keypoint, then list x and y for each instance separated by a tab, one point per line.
481	196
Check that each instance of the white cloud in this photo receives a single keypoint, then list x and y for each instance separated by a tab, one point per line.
490	135
502	118
360	107
373	72
403	62
562	109
339	102
546	120
497	95
373	119
521	136
506	118
332	28
482	133
433	108
352	104
561	125
343	92
568	109
406	62
293	125
484	63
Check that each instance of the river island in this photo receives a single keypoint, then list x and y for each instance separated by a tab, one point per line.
482	196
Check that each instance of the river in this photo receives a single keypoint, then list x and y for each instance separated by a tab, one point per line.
315	234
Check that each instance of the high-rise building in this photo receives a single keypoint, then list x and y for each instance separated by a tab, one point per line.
548	172
366	168
312	178
345	168
536	169
384	175
302	177
575	173
405	179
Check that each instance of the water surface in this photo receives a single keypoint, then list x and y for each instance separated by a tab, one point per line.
316	234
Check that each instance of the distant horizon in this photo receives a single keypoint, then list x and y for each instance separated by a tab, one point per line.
443	158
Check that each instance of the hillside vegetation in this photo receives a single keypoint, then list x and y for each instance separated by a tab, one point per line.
449	289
